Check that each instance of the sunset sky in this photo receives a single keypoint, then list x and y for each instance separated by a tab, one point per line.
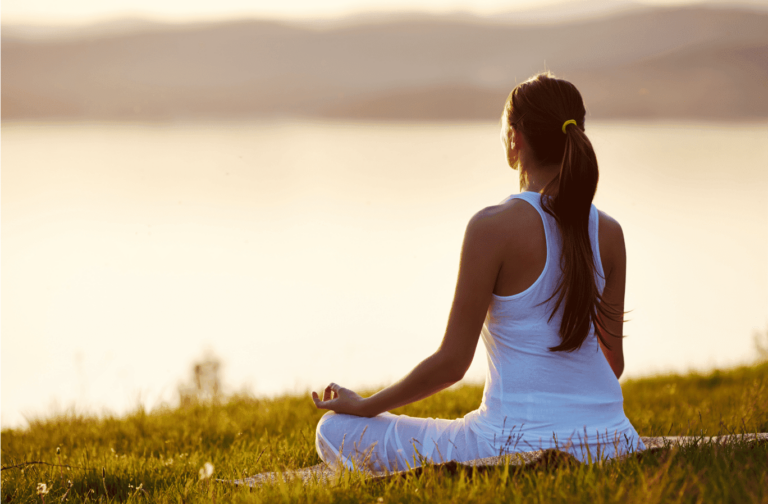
88	11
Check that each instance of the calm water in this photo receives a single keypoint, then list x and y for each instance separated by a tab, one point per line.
304	252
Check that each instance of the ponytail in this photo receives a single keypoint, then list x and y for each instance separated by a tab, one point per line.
569	200
550	113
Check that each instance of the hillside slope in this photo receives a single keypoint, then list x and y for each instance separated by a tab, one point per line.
163	452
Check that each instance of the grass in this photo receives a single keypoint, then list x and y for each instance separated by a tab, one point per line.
157	456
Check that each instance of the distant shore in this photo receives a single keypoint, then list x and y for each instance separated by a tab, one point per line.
683	63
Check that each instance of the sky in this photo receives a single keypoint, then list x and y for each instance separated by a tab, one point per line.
73	12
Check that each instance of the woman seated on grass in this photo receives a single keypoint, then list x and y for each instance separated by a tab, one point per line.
542	279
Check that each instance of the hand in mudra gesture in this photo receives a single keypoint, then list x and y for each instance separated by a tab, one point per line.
340	400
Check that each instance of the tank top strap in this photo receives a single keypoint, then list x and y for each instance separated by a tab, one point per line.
533	198
547	280
551	232
594	220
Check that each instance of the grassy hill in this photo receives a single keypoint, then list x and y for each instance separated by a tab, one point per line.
157	456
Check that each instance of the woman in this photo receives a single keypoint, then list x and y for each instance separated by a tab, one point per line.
545	290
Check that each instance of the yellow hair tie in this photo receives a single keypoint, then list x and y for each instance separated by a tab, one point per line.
566	123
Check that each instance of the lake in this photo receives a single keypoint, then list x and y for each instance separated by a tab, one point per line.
303	252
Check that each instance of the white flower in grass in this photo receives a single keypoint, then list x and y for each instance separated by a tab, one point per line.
206	471
42	489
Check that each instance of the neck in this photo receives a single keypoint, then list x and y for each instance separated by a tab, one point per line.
535	177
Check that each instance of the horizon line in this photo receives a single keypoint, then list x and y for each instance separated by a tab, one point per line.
545	14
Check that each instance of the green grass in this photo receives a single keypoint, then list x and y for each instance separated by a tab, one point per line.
164	450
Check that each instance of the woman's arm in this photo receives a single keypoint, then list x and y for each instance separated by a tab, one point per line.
481	258
614	258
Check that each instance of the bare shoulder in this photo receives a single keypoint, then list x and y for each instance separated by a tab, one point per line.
611	239
505	220
609	228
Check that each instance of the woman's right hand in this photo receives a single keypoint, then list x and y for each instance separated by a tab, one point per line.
341	400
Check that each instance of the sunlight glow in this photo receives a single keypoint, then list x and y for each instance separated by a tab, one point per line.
55	12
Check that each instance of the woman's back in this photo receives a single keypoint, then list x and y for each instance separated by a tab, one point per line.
536	398
541	279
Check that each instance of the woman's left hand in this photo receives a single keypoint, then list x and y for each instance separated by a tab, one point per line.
340	400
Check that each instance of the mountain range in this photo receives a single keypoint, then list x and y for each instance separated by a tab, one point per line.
698	63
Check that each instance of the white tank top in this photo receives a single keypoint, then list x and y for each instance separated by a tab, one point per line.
535	398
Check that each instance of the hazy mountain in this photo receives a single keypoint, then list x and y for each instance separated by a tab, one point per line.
697	63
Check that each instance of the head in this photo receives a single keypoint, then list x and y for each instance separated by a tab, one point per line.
535	125
534	114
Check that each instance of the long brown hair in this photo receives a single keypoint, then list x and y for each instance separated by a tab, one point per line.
538	108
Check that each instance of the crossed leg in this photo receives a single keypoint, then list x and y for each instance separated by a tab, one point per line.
390	442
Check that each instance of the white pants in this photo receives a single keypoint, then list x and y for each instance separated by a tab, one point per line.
390	442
